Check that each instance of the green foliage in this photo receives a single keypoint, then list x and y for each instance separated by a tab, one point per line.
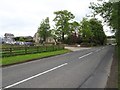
99	36
21	39
111	14
55	36
18	50
71	35
29	57
16	38
73	27
62	22
43	30
92	31
103	10
71	38
115	20
85	30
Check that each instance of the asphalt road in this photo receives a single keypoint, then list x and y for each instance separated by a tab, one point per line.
87	68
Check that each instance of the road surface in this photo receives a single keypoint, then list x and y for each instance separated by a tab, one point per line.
87	68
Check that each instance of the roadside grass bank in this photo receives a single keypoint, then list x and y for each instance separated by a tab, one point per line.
30	57
112	81
11	51
118	57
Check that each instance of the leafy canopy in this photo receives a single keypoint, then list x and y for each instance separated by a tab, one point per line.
43	30
62	21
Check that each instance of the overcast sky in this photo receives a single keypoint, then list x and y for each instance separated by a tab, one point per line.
22	17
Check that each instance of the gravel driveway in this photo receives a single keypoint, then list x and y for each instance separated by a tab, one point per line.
76	48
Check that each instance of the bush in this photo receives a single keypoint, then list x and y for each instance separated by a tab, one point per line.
85	44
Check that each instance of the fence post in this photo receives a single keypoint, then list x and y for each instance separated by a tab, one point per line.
10	51
37	49
53	47
46	48
25	50
58	47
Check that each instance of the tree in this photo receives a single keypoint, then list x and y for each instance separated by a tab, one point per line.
72	33
62	21
115	20
21	39
74	26
86	30
92	31
43	30
55	35
110	12
99	36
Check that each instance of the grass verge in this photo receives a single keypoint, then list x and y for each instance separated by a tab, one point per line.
24	58
118	57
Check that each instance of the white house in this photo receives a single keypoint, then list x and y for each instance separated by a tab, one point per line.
9	38
38	39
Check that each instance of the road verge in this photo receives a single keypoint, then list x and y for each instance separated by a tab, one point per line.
7	61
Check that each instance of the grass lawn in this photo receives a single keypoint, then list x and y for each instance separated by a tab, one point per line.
28	57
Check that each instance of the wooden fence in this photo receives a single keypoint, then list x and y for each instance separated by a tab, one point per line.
13	51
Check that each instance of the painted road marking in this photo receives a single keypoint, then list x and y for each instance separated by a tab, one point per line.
90	53
35	76
98	50
45	71
85	55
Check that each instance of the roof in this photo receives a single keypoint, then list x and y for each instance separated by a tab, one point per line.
8	34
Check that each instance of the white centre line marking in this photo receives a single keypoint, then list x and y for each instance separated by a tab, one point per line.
35	76
85	55
98	50
103	47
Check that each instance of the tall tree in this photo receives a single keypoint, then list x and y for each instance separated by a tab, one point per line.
74	27
86	30
55	34
92	31
99	36
44	29
62	21
111	14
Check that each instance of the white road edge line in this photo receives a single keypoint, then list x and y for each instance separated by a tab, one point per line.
85	55
35	76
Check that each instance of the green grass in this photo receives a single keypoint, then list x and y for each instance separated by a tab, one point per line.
28	57
118	55
14	51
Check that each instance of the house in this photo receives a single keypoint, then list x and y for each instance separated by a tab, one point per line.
8	38
24	40
29	38
9	35
50	40
38	39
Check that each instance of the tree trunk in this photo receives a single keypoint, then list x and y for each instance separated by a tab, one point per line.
44	38
63	37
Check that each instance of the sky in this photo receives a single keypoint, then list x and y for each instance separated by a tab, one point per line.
23	17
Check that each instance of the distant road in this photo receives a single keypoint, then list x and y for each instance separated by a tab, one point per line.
87	68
